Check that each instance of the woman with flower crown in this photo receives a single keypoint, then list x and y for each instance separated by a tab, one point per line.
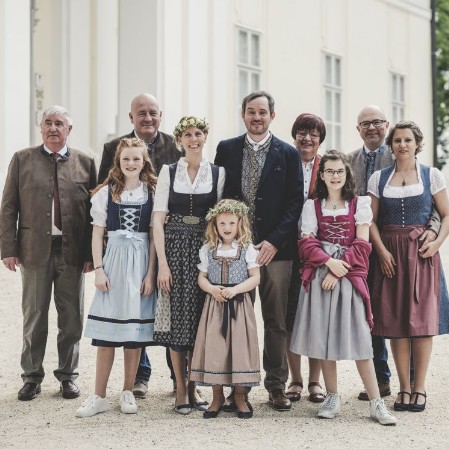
184	193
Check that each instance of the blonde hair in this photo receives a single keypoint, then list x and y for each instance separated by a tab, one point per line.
234	207
116	177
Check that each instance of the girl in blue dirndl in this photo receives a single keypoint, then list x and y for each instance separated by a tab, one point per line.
123	308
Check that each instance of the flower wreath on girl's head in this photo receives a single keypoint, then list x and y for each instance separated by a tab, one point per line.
230	206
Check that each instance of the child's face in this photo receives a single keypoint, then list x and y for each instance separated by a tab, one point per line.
227	226
334	175
131	162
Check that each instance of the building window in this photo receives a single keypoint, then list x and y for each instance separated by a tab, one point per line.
332	100
248	66
397	97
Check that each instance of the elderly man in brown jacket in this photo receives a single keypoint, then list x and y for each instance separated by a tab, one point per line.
45	230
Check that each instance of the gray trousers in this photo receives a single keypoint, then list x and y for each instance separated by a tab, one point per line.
273	292
68	283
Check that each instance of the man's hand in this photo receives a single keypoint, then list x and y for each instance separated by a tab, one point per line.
11	263
266	252
429	235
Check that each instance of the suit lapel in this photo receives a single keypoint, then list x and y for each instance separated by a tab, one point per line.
238	161
272	157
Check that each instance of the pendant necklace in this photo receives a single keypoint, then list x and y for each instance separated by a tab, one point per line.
333	205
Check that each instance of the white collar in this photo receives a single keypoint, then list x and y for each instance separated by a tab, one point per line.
183	162
261	142
61	152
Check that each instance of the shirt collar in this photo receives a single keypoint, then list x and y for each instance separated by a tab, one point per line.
183	162
308	164
155	138
381	149
62	152
261	142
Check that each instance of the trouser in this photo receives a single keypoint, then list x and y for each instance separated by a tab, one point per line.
68	285
273	291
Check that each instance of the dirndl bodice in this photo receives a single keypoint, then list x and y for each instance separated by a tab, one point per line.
227	270
412	210
339	229
128	215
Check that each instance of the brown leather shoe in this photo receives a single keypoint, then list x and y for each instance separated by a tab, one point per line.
69	390
279	401
29	391
384	390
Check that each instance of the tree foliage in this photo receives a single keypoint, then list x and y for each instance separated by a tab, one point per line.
442	81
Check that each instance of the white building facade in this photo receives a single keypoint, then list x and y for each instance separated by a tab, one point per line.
201	57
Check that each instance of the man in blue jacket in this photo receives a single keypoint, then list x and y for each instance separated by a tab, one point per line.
265	173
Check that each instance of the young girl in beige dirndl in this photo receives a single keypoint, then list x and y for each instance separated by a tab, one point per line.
226	349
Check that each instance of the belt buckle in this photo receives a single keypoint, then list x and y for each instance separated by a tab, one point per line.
190	219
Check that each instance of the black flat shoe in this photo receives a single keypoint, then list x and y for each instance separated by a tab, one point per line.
246	415
414	406
401	406
208	414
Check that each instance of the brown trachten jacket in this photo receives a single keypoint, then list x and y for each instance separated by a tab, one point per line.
25	215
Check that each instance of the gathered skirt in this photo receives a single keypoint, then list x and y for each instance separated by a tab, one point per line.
232	360
407	305
331	324
123	314
177	324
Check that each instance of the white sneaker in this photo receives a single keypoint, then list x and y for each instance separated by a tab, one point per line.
330	407
379	412
92	405
127	402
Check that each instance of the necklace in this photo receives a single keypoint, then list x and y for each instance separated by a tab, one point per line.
403	183
334	205
130	193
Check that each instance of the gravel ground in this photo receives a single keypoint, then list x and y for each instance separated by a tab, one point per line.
49	421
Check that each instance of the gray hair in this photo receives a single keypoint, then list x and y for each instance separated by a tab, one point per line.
57	110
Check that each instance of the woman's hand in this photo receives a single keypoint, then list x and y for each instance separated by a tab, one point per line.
101	280
329	282
147	285
164	278
217	293
229	292
338	267
387	263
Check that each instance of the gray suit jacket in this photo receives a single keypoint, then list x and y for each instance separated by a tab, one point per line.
357	161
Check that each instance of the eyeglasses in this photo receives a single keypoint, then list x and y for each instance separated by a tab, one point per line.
376	123
303	134
341	172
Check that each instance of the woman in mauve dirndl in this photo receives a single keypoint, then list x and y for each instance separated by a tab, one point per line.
406	294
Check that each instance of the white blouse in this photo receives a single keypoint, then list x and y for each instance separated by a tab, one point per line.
437	183
182	184
250	256
363	214
99	200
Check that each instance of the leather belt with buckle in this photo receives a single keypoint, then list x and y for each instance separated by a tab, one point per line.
190	219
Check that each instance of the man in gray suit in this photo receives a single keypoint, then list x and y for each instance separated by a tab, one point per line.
372	126
45	230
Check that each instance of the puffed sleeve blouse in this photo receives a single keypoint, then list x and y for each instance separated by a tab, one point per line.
250	256
183	184
437	183
99	202
363	214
